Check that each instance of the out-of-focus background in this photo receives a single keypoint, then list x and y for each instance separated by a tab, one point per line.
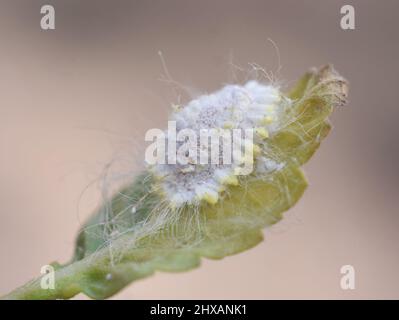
74	98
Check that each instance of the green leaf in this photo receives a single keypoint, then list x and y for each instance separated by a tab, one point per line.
111	251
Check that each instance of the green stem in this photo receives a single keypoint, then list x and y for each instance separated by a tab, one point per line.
95	275
66	285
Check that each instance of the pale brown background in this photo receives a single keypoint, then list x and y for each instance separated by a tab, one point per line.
72	98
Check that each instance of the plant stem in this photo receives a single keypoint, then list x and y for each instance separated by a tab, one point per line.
66	285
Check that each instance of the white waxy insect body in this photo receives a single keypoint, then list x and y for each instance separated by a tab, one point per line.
253	107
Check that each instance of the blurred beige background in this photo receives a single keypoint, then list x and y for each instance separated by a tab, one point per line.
73	98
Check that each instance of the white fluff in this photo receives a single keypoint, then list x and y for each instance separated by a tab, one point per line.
251	106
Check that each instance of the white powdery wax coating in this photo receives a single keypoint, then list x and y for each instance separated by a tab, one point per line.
251	106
